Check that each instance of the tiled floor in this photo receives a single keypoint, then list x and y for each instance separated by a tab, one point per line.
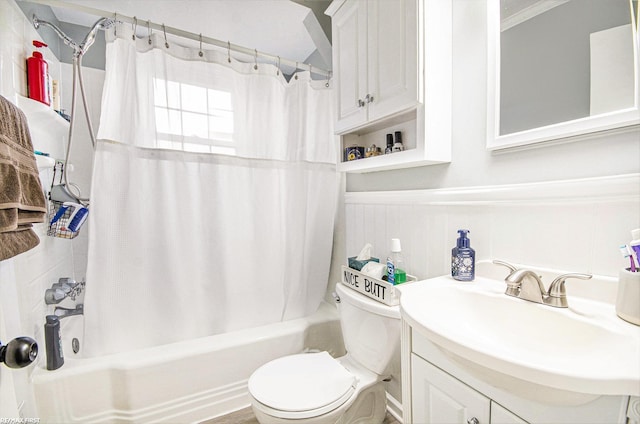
245	416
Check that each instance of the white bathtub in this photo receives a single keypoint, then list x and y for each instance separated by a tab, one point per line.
184	382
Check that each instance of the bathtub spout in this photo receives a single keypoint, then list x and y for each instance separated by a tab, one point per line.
61	312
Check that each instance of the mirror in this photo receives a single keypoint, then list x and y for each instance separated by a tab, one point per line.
561	68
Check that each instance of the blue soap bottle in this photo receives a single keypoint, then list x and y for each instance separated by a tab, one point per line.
463	259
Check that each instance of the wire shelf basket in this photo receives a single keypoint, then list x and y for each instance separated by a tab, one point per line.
59	228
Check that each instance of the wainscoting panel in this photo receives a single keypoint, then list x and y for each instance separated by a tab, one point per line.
571	225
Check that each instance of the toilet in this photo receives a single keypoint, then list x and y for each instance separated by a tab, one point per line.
315	388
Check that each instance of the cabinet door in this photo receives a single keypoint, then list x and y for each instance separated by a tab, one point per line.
392	57
500	415
349	29
439	398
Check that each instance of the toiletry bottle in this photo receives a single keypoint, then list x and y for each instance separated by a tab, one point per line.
37	76
55	95
389	148
398	146
53	342
463	259
396	271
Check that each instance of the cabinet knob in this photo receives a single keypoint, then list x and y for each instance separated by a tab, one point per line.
369	98
473	420
361	103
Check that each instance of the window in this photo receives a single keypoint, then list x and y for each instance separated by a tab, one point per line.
193	118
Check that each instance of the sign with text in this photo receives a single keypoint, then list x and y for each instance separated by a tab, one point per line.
372	287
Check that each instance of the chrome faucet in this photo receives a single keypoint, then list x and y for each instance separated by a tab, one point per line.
66	288
526	284
61	312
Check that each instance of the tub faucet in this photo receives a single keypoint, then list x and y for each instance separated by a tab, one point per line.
526	284
66	288
61	312
63	289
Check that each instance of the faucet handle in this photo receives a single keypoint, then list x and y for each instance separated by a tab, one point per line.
557	291
67	281
54	296
512	268
64	287
512	288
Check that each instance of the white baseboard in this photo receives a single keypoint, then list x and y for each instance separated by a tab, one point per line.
394	407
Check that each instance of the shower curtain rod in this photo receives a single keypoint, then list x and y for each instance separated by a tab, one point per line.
185	34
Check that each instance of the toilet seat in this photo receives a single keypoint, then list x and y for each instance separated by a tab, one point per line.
301	386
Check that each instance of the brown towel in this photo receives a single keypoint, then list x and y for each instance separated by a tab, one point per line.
22	200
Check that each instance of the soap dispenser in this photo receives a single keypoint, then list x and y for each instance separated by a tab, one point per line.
463	259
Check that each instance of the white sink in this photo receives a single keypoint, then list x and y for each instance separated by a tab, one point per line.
580	352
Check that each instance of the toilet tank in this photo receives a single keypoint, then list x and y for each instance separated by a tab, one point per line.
371	330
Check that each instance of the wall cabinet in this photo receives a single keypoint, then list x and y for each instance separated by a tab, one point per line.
386	56
376	45
437	389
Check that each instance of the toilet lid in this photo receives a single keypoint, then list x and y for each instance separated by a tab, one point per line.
303	382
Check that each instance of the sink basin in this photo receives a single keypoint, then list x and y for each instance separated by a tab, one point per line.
580	352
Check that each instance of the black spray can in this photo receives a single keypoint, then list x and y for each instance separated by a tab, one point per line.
53	343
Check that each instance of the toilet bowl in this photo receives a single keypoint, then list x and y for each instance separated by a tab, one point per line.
315	388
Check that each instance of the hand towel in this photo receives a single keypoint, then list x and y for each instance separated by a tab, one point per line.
22	201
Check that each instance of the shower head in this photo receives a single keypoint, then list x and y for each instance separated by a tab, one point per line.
78	49
103	24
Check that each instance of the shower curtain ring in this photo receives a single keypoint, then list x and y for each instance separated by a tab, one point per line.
166	44
149	31
134	27
278	71
255	66
326	84
296	75
115	24
229	51
200	52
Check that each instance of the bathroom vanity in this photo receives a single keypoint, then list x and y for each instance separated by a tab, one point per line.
471	354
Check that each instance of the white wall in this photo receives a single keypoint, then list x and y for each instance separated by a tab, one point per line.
566	232
24	278
81	150
571	225
472	164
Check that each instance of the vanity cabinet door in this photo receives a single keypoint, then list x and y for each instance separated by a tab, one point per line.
439	398
500	415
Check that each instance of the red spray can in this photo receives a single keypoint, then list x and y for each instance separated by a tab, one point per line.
37	76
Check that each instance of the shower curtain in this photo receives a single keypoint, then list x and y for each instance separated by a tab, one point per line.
213	196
